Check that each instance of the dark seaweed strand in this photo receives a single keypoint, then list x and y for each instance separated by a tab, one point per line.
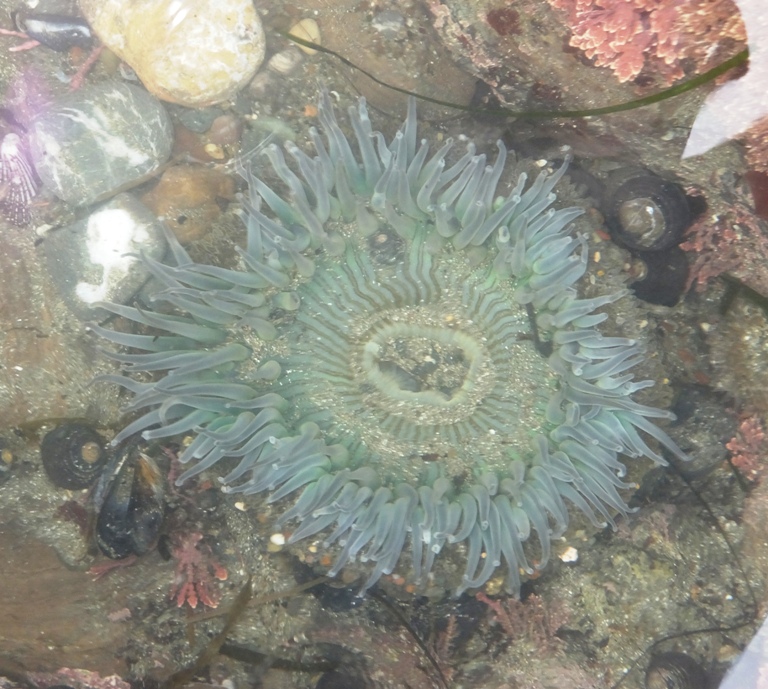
677	90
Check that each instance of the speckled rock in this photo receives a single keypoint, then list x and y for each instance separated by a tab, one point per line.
187	52
95	259
94	142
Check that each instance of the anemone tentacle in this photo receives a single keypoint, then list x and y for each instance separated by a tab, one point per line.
370	358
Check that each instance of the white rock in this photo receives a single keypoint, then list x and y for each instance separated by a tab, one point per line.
96	259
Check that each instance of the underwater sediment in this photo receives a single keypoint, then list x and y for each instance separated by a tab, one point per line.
401	356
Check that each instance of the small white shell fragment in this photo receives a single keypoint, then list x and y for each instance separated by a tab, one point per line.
239	505
570	554
285	61
308	30
276	543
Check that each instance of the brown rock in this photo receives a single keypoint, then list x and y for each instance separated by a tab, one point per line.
187	198
47	612
48	359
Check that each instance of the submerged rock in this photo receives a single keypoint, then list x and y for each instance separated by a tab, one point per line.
96	259
192	53
94	142
188	198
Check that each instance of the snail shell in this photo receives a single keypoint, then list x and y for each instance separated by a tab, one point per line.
131	505
646	212
675	671
73	455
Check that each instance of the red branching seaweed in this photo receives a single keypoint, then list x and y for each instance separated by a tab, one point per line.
630	35
532	619
713	242
196	568
748	448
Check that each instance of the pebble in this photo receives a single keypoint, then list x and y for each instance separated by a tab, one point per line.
189	52
95	259
187	199
308	30
99	140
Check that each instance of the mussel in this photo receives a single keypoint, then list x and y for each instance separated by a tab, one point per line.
55	31
130	503
73	455
662	276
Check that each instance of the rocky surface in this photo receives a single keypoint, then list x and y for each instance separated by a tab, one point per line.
96	259
48	358
99	140
601	612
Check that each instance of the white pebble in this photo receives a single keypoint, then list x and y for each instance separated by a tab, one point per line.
307	30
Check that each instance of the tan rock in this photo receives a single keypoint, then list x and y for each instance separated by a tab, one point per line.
187	199
190	52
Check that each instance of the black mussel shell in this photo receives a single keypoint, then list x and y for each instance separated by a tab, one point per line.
664	276
676	671
647	213
55	31
73	455
131	504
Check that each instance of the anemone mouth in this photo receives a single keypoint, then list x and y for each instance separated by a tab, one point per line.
430	358
373	358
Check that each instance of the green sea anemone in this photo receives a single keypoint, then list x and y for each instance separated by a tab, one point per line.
377	358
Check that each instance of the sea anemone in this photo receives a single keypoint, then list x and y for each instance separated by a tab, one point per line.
400	356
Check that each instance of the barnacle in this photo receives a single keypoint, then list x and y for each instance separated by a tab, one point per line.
370	361
18	184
